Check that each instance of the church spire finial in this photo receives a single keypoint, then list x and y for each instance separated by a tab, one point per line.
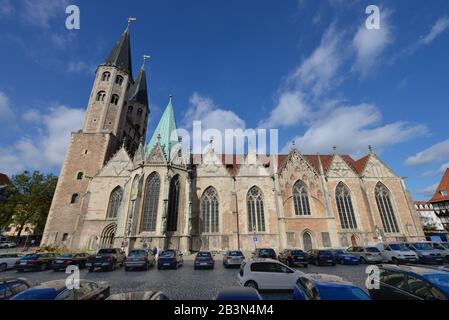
130	21
146	58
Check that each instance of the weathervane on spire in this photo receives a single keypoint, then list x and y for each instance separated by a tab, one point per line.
145	59
131	20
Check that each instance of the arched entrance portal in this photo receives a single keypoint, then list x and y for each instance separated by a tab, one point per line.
107	236
354	240
307	241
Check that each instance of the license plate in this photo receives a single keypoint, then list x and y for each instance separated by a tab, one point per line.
98	257
59	261
23	263
203	264
330	261
166	264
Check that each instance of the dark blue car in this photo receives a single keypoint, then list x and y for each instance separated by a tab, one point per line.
342	257
170	259
327	287
238	294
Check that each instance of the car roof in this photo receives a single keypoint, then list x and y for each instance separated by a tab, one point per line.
238	293
328	279
10	278
414	269
263	260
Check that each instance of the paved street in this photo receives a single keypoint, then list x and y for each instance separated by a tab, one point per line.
185	283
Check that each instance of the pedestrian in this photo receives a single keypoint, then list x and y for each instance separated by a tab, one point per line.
154	251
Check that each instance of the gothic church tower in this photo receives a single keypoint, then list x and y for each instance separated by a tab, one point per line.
117	114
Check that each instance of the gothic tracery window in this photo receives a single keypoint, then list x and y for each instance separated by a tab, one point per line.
345	207
173	205
383	200
151	202
301	199
209	211
114	202
255	206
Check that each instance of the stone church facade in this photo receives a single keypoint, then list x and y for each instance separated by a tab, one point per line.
117	191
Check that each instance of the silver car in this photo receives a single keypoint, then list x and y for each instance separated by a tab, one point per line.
366	254
443	248
233	258
139	259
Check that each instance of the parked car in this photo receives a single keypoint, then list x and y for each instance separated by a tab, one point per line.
238	294
426	253
443	248
411	283
57	290
8	260
35	262
9	287
342	257
106	259
267	274
397	253
70	259
139	258
233	258
7	245
137	296
267	253
204	259
294	257
321	257
367	254
170	259
327	287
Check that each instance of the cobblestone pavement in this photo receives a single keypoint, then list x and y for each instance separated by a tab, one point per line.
186	283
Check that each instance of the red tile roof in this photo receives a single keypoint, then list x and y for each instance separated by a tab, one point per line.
441	194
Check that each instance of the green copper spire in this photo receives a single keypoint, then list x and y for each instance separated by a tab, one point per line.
164	130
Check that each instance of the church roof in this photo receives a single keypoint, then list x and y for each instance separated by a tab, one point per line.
441	194
164	130
120	55
138	92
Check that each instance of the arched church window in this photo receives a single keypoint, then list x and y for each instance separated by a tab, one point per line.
114	99
307	241
101	95
385	207
119	80
173	204
151	202
79	176
106	76
301	199
114	202
75	198
209	211
345	207
255	206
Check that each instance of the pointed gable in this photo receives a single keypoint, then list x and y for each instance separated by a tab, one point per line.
441	194
120	55
156	155
339	168
212	164
118	165
375	168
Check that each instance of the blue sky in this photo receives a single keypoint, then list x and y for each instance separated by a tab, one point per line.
308	68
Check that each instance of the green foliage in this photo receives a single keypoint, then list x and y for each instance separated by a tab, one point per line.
28	200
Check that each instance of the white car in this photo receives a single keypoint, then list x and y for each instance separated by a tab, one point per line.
443	248
7	245
8	260
267	274
398	253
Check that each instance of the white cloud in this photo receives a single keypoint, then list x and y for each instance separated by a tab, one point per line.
5	109
39	13
290	110
428	191
438	28
46	149
437	152
352	129
81	67
370	44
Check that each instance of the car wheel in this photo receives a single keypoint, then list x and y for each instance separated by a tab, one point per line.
362	260
3	267
251	284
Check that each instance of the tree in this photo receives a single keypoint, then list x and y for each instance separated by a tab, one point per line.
28	200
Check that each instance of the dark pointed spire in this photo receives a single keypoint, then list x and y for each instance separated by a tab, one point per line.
120	55
138	92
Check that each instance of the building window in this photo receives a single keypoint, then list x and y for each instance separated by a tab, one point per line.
256	216
101	95
152	190
65	236
130	109
301	199
173	205
114	202
209	211
106	76
326	239
139	112
443	192
385	207
307	243
119	80
345	208
75	198
114	99
79	176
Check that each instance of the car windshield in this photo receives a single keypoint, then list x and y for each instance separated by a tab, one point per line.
267	252
137	253
204	254
167	254
297	253
372	249
30	257
343	293
422	246
326	253
235	254
68	255
340	252
445	244
106	251
399	247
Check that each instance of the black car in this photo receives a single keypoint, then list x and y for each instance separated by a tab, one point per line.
70	259
171	259
264	253
57	290
410	283
9	287
321	257
294	257
35	262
